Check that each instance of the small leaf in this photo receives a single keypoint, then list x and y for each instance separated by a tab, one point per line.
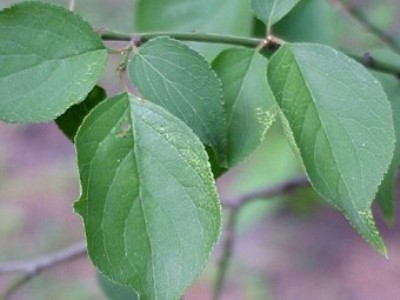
231	17
271	11
176	77
249	105
70	121
148	201
50	59
342	125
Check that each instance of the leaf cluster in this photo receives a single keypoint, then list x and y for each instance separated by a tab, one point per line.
148	160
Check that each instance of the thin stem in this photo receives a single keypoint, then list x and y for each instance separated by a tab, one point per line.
371	27
268	192
226	254
16	286
32	268
109	35
271	43
235	206
123	66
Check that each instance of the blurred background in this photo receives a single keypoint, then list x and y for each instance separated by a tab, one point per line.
292	247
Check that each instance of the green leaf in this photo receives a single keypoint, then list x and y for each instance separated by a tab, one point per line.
386	196
232	17
50	59
249	104
176	77
148	201
115	291
341	123
70	121
271	11
299	24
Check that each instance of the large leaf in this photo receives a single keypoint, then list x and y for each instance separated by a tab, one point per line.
342	125
50	59
271	11
148	200
176	77
232	17
249	104
70	121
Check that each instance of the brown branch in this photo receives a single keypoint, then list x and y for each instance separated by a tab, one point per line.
268	192
227	249
369	61
234	206
32	268
357	15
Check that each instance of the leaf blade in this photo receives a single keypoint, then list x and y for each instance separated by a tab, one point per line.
50	59
248	101
176	77
341	122
153	218
271	11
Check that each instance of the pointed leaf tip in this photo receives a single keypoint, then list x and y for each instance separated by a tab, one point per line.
271	11
341	122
